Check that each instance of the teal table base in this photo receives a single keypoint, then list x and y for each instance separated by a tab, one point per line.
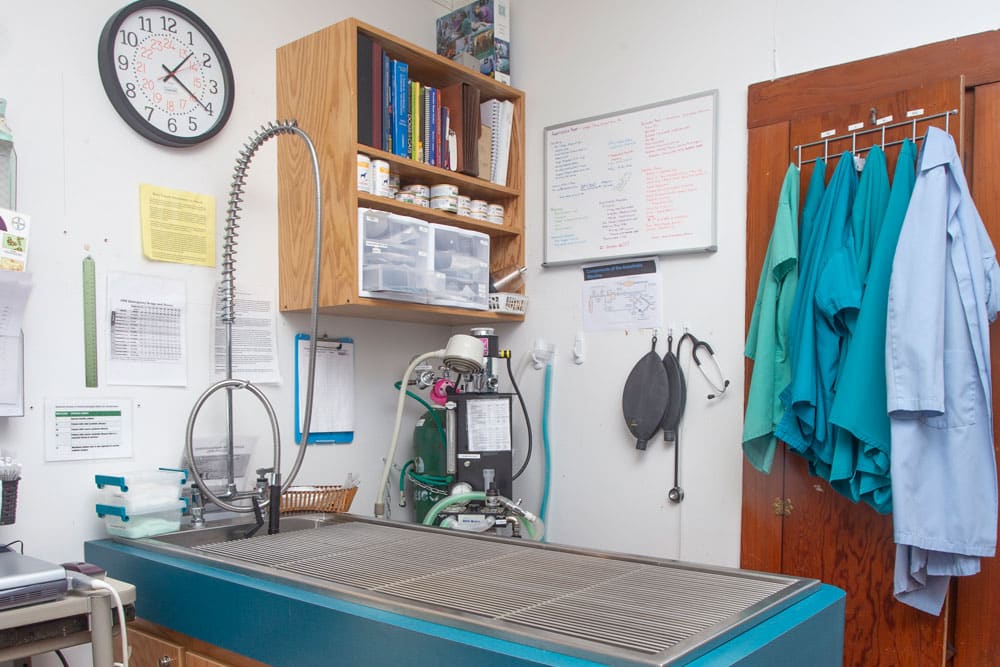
288	626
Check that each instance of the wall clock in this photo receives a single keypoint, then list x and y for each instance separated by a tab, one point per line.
166	73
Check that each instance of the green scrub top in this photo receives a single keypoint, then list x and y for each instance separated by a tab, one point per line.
859	406
767	339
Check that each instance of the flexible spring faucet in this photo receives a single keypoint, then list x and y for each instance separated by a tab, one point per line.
228	315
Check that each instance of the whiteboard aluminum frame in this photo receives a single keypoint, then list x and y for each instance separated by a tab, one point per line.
645	252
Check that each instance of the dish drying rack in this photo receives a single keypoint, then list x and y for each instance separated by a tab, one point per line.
327	498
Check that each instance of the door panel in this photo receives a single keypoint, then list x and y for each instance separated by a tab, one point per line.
760	546
976	640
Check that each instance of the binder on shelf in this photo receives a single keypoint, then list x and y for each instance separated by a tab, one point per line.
333	394
463	101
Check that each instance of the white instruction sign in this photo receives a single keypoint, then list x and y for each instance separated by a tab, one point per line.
77	429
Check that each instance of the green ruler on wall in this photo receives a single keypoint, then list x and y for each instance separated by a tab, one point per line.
89	323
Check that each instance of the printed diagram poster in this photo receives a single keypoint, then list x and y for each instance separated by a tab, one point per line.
622	295
633	183
148	330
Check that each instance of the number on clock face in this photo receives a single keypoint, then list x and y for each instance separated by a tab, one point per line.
172	81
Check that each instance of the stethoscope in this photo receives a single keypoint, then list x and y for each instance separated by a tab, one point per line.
718	387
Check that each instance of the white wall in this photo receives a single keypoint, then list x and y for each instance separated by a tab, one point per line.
81	165
581	59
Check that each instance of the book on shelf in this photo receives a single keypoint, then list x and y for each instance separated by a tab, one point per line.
416	121
478	36
430	127
386	103
401	108
376	108
365	87
498	115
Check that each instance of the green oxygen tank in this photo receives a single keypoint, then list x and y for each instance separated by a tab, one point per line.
428	462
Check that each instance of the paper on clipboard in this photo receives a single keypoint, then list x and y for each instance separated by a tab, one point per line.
333	394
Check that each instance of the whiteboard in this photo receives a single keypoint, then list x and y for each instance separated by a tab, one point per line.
634	182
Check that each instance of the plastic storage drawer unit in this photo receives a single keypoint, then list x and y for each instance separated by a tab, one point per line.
393	256
461	267
137	517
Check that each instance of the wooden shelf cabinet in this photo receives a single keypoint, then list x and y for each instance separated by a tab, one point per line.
317	87
156	646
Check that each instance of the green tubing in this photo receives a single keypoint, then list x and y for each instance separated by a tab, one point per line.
451	500
432	513
434	415
402	476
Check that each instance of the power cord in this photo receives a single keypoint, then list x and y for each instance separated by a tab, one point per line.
81	582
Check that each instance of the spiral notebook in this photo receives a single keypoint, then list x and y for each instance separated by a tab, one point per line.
498	115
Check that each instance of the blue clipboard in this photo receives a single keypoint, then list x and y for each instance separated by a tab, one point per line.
342	375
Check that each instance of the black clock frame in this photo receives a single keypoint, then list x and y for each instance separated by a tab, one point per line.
109	75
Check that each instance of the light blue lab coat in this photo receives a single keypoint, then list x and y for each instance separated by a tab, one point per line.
767	338
944	291
859	406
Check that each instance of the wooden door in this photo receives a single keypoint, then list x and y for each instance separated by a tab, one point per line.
825	533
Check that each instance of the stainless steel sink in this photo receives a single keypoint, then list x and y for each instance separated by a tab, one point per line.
237	528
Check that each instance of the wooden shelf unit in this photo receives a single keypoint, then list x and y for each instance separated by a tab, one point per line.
317	87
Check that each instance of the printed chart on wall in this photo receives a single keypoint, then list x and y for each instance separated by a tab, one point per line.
634	182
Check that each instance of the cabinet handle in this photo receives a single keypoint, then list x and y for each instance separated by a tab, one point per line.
783	507
165	661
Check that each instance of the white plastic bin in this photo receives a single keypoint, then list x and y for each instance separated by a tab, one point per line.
393	256
461	267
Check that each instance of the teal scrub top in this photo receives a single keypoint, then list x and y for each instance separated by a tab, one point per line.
855	258
859	406
815	322
767	339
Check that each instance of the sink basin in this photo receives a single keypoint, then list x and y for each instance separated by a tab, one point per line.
237	529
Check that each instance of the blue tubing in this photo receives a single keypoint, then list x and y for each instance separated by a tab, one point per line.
546	405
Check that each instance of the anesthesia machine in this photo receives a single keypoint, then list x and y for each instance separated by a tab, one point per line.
462	470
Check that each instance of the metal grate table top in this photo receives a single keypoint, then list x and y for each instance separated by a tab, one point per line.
608	607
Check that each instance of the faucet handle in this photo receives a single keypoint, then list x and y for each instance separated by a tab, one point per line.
264	471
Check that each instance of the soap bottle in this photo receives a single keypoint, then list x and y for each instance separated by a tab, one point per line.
8	162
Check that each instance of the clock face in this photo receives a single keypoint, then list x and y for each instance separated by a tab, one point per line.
166	73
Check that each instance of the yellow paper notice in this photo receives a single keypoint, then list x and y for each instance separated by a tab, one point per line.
177	226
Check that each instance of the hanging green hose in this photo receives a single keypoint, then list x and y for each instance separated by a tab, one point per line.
433	512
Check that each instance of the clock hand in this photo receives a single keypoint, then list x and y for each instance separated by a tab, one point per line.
186	89
173	72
